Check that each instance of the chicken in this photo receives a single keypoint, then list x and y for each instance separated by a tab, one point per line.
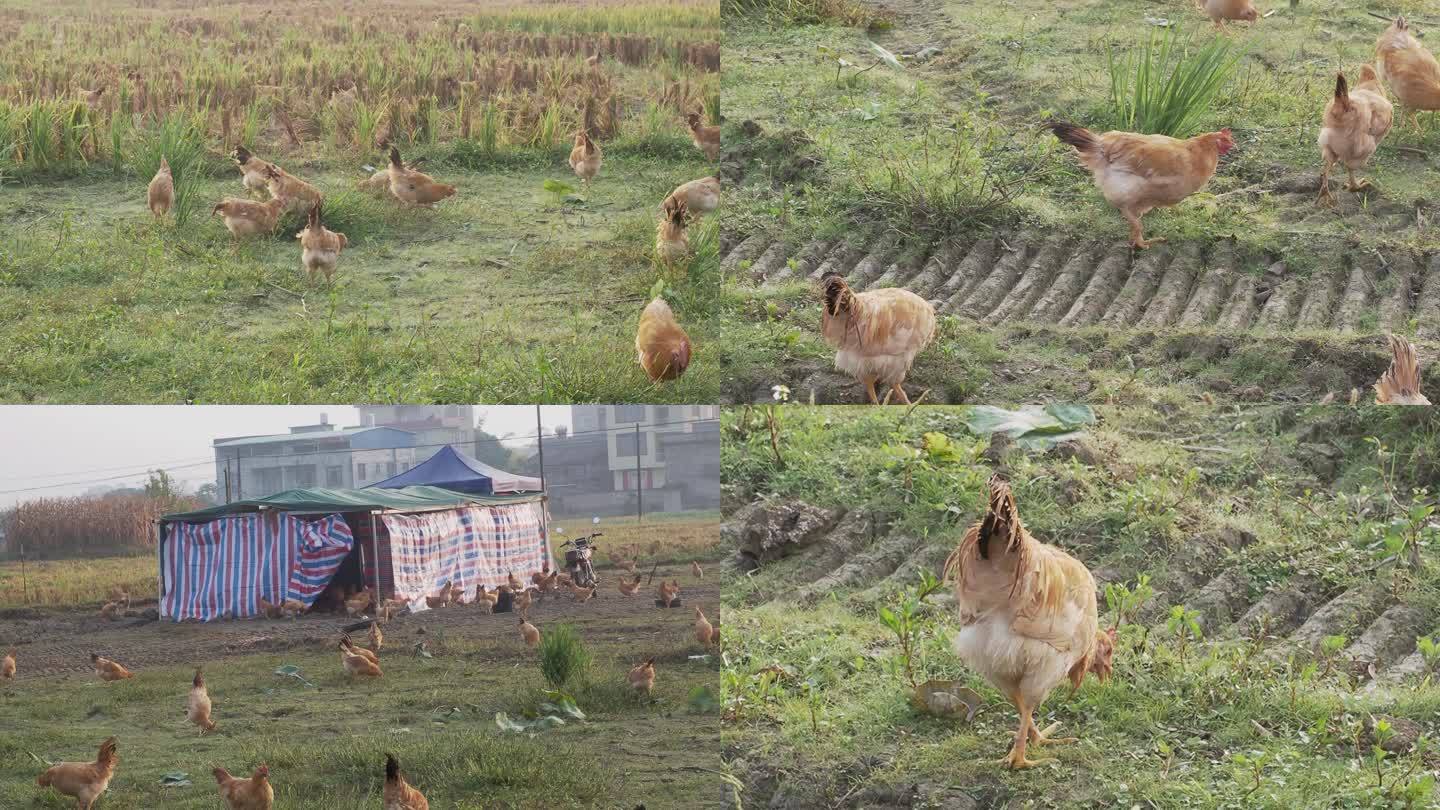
631	588
247	218
627	565
668	591
254	793
412	187
120	595
582	595
1400	384
1137	173
641	677
1355	123
110	610
700	196
83	781
1409	69
349	646
704	631
109	670
269	609
292	607
7	665
161	193
320	248
253	170
514	582
1027	615
672	243
538	579
356	664
377	638
529	633
197	706
876	334
358	604
486	599
524	600
1221	10
706	139
585	158
696	571
298	194
661	345
398	794
551	583
378	182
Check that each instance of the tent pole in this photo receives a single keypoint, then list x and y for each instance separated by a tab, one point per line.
639	485
540	440
160	543
375	552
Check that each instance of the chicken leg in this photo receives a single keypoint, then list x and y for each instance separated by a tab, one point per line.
1325	197
1016	760
900	392
870	389
1137	233
1041	737
1356	185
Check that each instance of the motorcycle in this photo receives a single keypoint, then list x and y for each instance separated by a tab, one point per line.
577	559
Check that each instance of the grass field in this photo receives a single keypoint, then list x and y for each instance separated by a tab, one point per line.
936	176
508	292
1271	528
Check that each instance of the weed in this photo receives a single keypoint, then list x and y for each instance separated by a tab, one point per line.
563	657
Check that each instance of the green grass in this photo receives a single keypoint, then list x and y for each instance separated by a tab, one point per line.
72	583
327	745
1169	729
501	294
1168	86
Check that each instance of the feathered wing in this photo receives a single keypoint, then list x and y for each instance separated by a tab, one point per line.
1400	384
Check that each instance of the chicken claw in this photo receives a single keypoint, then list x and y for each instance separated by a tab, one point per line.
1017	761
1039	737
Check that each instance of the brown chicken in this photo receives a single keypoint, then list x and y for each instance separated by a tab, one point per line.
704	631
641	677
514	582
1137	173
247	218
197	706
876	334
529	633
661	344
356	664
7	665
254	793
298	194
377	639
253	171
1355	123
358	604
83	781
696	571
1409	69
524	600
161	193
672	242
582	595
1028	616
109	670
412	187
320	248
706	139
585	158
1400	384
111	610
398	794
668	591
378	183
1221	10
630	588
293	607
269	609
349	645
700	196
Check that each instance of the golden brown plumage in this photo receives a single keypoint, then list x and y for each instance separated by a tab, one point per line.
1355	122
641	677
161	193
377	638
254	793
349	646
319	253
529	633
1221	10
109	670
585	158
630	588
672	241
7	665
357	664
1138	173
668	591
1400	384
83	781
253	170
706	139
269	609
876	334
661	345
415	188
1409	69
398	794
248	218
297	194
1027	611
704	631
197	706
700	196
696	570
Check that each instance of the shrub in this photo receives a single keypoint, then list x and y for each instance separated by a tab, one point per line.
563	657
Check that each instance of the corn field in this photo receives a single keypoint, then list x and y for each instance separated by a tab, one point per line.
83	84
52	527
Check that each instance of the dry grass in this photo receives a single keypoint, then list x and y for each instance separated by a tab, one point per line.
50	527
76	583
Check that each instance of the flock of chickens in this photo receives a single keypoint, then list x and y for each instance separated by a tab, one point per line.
86	781
661	344
878	333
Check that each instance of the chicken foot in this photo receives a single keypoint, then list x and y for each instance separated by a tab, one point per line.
1137	233
870	389
1016	760
1039	737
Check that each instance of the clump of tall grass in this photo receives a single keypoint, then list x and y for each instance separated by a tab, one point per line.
1167	87
799	12
563	657
180	140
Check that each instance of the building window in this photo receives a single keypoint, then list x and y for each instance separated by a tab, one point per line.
662	415
305	476
389	469
360	471
335	476
629	413
625	443
659	449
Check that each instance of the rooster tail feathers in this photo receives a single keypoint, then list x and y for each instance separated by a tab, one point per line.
1342	91
838	297
1001	522
107	750
199	678
1368	74
395	161
392	769
1077	136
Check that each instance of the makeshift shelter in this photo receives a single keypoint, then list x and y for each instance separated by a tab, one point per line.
405	543
454	470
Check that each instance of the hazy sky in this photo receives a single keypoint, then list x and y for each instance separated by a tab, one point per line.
70	449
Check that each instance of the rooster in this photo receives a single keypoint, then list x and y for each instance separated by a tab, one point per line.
197	706
83	781
1027	615
1400	384
585	158
320	247
160	194
254	793
253	170
108	670
415	188
1409	69
1355	123
398	794
1137	173
876	334
700	196
641	677
661	344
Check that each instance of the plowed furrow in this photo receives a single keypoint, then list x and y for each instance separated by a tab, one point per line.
841	259
977	260
1320	298
805	261
899	273
1021	296
1359	288
1399	291
1169	299
1100	291
769	263
989	278
748	249
1343	615
1427	305
1278	313
1240	310
1389	638
1144	278
1210	294
869	268
936	269
1055	301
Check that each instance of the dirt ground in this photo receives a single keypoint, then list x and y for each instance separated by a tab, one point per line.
59	642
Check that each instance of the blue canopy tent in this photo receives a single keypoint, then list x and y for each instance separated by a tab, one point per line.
453	470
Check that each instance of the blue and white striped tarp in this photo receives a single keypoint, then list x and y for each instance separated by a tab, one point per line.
222	568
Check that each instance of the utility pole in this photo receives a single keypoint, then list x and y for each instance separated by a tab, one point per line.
639	484
227	480
540	442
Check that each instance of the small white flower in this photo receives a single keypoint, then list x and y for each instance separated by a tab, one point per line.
780	393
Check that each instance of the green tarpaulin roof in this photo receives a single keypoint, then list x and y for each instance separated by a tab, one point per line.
352	500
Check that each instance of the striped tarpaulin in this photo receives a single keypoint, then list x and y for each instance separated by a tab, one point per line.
469	546
222	568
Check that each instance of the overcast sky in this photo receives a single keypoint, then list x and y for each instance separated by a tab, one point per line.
53	450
